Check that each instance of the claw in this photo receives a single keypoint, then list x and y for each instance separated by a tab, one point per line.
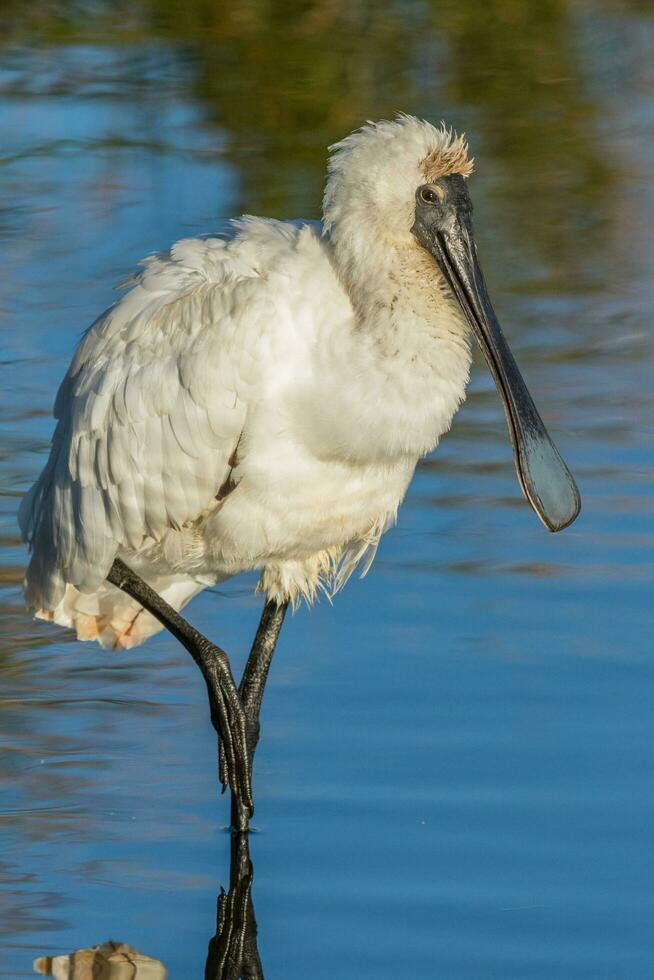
238	766
223	775
228	718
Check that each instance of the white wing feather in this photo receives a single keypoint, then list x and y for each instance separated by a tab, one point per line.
148	415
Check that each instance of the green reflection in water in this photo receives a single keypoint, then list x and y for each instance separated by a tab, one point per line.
519	64
285	79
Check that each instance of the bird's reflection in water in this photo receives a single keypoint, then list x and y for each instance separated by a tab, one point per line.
232	953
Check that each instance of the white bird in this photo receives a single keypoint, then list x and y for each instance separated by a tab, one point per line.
260	401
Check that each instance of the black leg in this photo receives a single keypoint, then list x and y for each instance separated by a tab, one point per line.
227	714
251	691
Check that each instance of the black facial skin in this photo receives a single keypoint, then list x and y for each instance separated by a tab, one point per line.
443	226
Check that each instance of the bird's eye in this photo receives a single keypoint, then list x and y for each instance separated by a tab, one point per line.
429	195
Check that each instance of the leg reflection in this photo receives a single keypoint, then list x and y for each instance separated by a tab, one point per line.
233	953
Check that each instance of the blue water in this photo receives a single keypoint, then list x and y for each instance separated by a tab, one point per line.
455	777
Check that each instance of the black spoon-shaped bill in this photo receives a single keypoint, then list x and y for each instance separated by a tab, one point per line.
443	226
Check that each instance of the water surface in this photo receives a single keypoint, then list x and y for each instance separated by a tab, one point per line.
455	777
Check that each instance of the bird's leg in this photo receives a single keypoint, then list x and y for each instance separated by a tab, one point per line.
227	714
233	950
251	691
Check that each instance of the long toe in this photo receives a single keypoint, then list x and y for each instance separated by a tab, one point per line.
228	718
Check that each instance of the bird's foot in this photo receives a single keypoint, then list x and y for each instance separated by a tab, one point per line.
241	812
228	719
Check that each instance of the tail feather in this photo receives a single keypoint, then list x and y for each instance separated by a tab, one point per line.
111	617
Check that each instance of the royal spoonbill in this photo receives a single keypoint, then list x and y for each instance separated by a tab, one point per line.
260	400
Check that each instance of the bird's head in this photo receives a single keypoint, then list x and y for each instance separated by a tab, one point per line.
405	182
373	175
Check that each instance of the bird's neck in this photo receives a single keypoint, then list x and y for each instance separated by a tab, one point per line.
413	338
395	285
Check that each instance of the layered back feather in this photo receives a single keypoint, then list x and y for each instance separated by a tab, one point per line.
147	417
